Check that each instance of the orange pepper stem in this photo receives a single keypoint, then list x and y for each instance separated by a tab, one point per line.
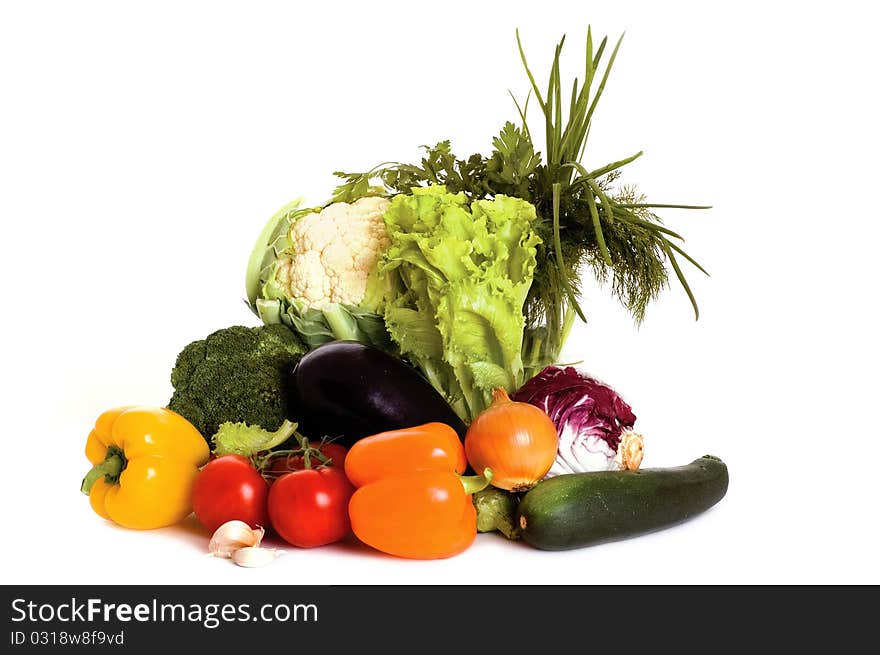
474	483
109	469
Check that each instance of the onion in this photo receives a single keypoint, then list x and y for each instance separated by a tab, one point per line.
518	441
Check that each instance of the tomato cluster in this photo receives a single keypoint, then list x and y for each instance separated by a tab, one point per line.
305	503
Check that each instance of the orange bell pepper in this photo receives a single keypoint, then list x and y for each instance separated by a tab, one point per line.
432	446
410	500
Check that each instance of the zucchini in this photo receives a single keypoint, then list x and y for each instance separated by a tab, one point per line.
581	509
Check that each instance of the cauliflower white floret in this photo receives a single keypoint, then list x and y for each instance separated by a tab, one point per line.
333	251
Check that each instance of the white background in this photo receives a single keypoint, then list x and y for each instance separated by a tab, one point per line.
143	146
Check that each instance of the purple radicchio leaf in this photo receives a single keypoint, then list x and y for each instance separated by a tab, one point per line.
589	417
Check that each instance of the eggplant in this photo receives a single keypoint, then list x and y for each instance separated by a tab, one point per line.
348	390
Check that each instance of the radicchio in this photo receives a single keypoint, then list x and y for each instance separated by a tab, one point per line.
591	420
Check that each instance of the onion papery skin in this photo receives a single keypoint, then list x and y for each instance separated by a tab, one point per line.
518	441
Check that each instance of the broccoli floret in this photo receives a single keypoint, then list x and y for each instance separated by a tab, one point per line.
238	374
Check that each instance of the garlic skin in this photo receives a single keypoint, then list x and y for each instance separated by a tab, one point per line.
233	536
254	556
630	451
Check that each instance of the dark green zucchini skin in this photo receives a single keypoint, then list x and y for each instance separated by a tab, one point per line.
582	509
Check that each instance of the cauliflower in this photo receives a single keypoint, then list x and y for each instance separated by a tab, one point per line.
314	270
332	253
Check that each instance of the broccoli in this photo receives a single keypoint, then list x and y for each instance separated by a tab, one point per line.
238	374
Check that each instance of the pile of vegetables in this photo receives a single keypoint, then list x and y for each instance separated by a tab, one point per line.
412	330
475	279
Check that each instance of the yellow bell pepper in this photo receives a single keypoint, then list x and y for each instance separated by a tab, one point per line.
146	460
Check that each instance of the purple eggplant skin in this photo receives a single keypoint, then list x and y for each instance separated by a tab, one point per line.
346	390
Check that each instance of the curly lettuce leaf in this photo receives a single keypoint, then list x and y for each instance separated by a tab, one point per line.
247	440
467	268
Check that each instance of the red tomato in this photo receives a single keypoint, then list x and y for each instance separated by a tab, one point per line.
310	507
281	464
230	488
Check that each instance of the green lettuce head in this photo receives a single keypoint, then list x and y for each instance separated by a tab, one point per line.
465	271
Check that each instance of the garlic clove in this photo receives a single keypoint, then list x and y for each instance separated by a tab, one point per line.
254	556
630	451
232	536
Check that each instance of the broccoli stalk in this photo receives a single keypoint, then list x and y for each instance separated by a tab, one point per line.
496	509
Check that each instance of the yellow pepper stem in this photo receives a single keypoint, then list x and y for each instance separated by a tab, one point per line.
109	469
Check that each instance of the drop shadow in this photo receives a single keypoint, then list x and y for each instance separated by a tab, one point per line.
190	531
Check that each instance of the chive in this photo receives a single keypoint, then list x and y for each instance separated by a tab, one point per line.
604	79
599	172
687	257
606	204
522	113
651	205
557	245
522	56
632	218
600	238
681	278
